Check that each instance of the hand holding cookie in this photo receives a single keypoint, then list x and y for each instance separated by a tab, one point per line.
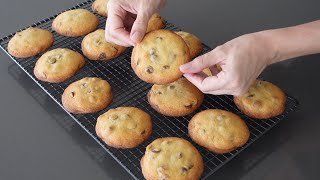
128	20
241	59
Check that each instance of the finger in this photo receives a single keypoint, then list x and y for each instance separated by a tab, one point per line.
118	42
139	27
201	62
221	92
115	29
207	83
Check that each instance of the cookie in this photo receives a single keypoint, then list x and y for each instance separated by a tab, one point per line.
30	42
157	58
208	72
179	98
219	131
88	95
124	127
74	23
100	7
171	158
95	47
193	42
262	101
156	22
58	65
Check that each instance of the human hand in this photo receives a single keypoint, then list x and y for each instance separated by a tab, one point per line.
241	59
128	20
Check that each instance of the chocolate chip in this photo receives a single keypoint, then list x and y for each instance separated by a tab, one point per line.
179	155
84	85
166	67
160	38
188	106
159	92
97	42
149	69
152	51
184	170
143	132
138	61
155	150
114	49
172	86
250	95
52	60
102	56
154	57
44	75
111	128
203	131
89	91
72	94
114	117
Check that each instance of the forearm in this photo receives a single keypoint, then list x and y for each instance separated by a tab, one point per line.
293	41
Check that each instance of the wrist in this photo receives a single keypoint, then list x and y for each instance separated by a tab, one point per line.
270	46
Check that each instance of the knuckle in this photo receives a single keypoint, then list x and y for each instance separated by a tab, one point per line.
236	83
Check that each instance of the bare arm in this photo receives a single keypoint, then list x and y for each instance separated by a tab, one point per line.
243	59
294	41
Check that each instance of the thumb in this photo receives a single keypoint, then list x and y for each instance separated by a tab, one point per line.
201	62
139	26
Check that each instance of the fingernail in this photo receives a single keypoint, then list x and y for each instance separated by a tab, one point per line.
184	67
136	37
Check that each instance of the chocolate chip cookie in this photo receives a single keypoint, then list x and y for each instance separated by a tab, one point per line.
179	98
193	42
157	58
88	95
74	23
124	127
30	42
262	101
219	131
58	65
171	158
95	47
156	22
100	7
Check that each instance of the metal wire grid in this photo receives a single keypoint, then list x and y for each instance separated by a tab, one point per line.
129	90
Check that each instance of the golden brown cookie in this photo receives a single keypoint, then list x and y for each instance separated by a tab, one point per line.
100	7
208	72
95	47
171	158
157	58
74	23
262	101
193	42
88	95
156	22
30	42
58	65
179	98
124	127
218	130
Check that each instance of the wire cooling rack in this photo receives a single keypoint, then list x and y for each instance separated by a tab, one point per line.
129	90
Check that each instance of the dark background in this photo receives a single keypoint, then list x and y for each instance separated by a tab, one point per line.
39	141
